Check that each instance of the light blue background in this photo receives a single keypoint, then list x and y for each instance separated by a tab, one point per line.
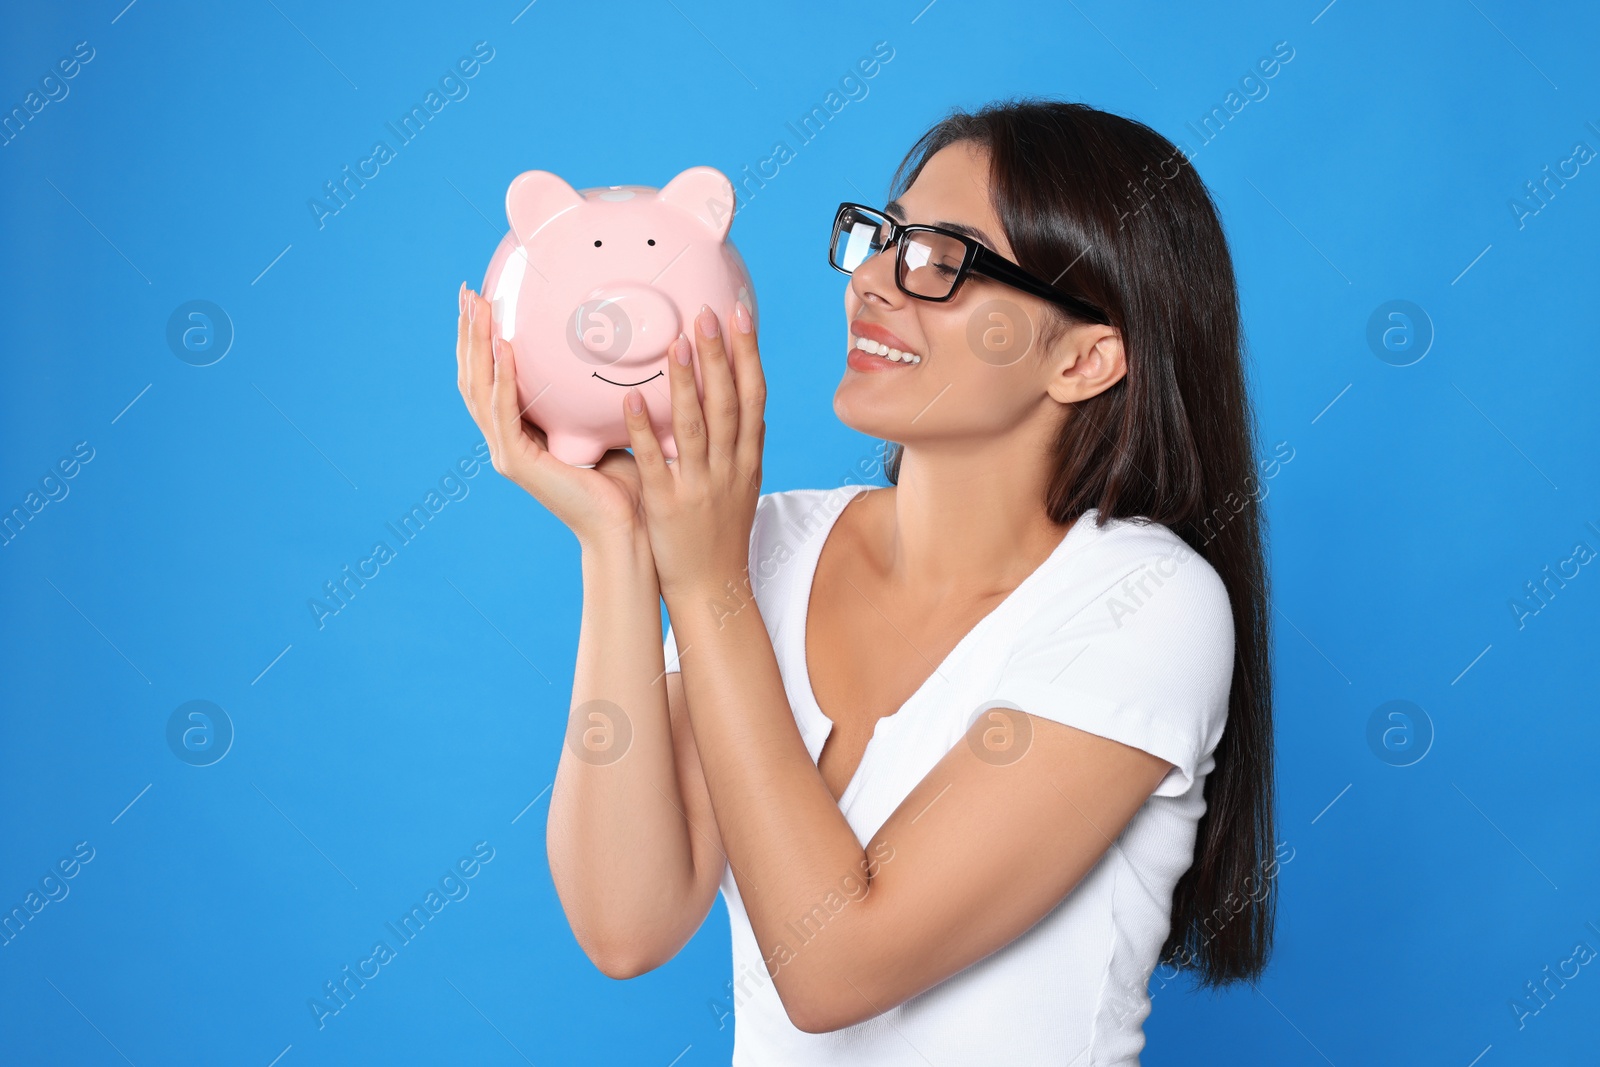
427	715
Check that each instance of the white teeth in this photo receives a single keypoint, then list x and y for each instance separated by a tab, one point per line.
866	344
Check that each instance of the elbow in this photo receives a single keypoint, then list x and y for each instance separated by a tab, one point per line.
622	959
820	1011
622	966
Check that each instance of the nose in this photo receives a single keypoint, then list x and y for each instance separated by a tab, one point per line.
622	326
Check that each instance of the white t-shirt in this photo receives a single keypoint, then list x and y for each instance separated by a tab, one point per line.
1124	631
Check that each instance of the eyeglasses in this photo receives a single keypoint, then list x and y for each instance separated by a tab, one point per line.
931	262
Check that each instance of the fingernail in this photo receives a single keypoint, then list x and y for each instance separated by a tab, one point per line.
635	399
461	298
472	308
741	316
498	347
680	350
708	321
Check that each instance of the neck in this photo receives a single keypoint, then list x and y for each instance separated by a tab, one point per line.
960	524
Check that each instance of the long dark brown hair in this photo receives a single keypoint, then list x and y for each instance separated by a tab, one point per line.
1116	214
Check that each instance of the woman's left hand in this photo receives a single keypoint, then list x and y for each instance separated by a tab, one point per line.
699	510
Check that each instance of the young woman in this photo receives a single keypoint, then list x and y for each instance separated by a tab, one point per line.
970	754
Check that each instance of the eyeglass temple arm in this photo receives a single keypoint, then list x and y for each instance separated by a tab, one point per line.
986	262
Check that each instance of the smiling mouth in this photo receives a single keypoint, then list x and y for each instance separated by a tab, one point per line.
608	381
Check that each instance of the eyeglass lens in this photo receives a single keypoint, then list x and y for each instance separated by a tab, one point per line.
931	260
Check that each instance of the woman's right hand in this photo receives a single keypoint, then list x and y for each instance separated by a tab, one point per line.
598	504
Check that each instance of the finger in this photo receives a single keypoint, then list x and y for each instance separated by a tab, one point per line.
721	406
513	453
752	387
688	421
479	359
647	454
463	340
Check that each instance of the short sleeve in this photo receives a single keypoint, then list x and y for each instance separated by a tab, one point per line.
1147	660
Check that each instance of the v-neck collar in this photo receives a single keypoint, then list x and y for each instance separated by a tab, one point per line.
816	726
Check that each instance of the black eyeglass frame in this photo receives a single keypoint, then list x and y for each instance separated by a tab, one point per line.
977	259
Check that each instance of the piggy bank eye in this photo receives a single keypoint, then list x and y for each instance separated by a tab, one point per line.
652	240
597	244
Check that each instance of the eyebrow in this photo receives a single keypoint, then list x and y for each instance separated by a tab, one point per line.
897	211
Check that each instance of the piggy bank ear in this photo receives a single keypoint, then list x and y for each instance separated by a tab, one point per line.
536	197
707	194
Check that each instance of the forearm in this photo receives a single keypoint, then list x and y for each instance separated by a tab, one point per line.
789	846
617	838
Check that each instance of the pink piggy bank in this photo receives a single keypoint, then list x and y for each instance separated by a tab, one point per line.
591	286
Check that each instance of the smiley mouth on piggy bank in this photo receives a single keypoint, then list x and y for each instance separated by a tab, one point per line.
652	378
590	287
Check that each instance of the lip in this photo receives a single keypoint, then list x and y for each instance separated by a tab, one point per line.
872	331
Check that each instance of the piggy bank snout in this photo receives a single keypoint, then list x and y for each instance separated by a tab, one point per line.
622	325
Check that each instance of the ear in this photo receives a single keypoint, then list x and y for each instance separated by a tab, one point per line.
534	198
1089	360
707	194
